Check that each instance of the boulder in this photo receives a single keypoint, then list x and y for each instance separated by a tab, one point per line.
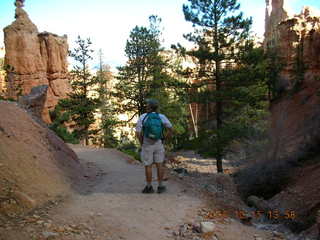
207	227
258	203
35	100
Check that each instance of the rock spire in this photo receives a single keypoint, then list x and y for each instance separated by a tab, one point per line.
35	59
275	14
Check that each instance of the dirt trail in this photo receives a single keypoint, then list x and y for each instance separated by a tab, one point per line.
110	206
116	206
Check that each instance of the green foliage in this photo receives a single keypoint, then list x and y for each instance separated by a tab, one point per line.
108	127
83	101
108	120
131	149
149	74
59	119
16	88
229	78
212	141
142	73
172	99
133	154
273	66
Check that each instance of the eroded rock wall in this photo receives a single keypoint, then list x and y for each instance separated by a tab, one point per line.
295	116
295	113
36	59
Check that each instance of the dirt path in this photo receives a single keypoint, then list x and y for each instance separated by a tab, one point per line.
110	206
116	206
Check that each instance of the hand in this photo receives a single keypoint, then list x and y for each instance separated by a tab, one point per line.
139	137
169	133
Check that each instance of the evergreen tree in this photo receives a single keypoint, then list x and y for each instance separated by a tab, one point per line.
59	124
107	111
150	73
221	37
142	73
82	101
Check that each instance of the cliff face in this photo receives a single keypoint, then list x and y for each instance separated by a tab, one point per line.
295	118
36	59
295	114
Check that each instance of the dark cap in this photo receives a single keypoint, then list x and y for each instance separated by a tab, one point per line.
152	102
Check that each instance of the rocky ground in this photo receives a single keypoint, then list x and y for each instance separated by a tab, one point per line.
198	205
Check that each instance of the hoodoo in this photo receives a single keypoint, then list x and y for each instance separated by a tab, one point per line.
35	59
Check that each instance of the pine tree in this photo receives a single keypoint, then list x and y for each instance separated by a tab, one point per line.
142	73
106	109
82	101
221	37
149	73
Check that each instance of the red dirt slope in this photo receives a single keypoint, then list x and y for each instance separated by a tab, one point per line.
35	165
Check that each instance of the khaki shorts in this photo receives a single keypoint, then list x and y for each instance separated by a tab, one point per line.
152	153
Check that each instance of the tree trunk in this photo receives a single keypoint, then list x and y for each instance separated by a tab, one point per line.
218	89
219	164
195	126
219	126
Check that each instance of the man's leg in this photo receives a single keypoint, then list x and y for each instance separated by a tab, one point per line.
160	173
159	158
148	171
161	187
146	157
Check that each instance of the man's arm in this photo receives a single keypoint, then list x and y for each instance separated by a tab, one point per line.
169	133
139	137
139	134
168	126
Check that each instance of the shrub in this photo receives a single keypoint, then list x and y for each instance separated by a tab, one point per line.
131	149
63	133
263	180
58	119
132	153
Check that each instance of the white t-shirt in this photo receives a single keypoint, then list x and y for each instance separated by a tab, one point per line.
163	118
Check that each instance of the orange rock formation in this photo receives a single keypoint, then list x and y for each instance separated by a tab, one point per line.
36	59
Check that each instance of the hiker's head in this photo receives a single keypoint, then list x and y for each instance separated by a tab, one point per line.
152	105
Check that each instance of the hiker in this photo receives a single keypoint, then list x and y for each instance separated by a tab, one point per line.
150	133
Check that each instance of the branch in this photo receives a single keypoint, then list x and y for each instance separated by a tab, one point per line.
131	118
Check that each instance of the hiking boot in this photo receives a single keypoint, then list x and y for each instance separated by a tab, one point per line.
161	189
148	189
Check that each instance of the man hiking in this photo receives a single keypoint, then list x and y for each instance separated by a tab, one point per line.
150	133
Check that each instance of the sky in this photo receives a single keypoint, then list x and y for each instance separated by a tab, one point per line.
108	22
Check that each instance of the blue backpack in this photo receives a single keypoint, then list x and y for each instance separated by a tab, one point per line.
153	126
